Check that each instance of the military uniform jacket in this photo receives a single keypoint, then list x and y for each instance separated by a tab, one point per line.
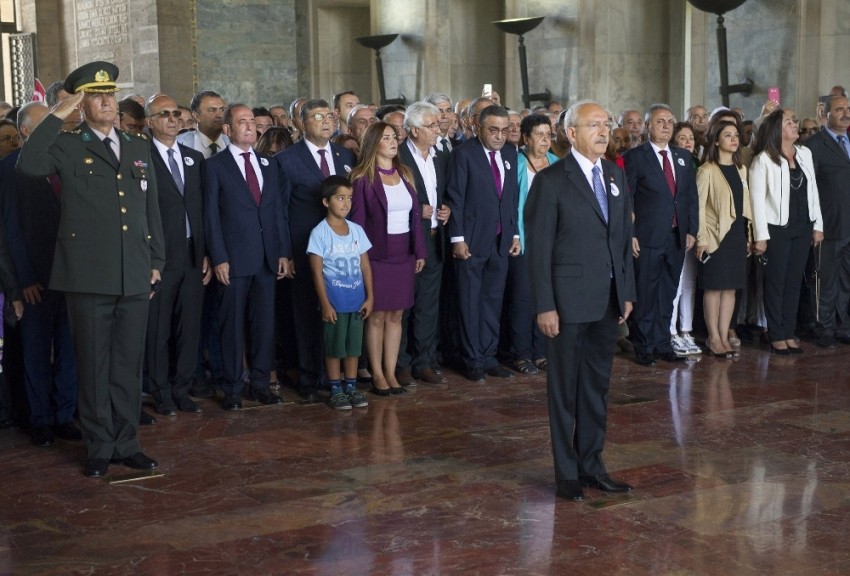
110	235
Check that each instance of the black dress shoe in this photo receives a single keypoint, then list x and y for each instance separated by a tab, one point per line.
605	483
843	339
795	350
201	389
569	490
671	357
827	342
645	359
429	376
42	436
231	403
137	461
780	351
186	404
96	467
499	372
308	392
166	409
146	419
266	397
68	431
476	375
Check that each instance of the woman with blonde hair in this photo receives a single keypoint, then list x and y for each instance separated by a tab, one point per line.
385	205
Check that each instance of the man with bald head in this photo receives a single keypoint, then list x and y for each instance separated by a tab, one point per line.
177	308
578	243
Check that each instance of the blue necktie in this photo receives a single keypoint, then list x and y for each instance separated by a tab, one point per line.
178	181
843	141
599	190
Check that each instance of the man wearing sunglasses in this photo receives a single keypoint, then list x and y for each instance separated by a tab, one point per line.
307	163
187	270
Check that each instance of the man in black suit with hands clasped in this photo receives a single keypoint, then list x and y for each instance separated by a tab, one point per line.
578	243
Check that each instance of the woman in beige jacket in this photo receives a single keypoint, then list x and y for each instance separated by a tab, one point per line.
786	222
722	243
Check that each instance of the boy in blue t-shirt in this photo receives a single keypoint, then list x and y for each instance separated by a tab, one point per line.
343	280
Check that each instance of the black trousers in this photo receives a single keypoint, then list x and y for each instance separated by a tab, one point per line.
578	375
833	313
109	342
174	325
420	323
786	254
657	273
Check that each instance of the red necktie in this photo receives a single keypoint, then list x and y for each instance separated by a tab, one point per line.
251	178
323	165
671	182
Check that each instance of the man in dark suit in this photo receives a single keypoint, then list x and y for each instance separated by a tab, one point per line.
109	255
446	120
578	224
174	321
663	187
31	214
482	193
831	156
306	165
247	234
429	174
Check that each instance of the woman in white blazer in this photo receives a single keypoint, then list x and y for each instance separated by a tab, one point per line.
786	222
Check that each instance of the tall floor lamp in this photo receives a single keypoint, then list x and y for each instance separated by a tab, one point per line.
720	7
376	43
520	26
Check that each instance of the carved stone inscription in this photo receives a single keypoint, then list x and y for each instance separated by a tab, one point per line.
103	33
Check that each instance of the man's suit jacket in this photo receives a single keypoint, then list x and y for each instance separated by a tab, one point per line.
31	212
472	196
305	203
832	171
174	206
571	253
110	235
653	203
237	230
441	163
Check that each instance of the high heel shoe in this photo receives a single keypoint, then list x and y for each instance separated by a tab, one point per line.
780	351
381	391
795	350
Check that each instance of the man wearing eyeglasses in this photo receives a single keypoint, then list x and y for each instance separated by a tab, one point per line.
177	308
482	193
208	138
306	164
664	198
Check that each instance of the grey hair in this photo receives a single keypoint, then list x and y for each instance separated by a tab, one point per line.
354	111
436	98
655	108
571	116
25	114
415	113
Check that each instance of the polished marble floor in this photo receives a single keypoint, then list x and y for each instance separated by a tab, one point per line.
740	468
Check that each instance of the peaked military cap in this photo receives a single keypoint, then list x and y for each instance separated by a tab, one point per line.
97	77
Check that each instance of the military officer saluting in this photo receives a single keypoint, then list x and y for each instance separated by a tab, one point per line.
109	254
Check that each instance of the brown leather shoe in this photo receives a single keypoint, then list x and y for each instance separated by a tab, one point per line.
404	377
428	376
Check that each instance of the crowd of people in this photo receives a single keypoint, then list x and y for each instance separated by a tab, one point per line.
201	249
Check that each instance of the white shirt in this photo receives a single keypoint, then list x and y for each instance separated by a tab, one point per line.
399	204
314	152
660	158
429	176
199	141
163	151
240	161
587	167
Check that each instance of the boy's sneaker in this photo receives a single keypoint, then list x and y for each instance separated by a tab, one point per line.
679	346
357	399
693	347
339	401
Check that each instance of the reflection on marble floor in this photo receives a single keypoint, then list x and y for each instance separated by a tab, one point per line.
740	468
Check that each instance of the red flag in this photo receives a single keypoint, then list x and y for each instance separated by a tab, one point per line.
40	94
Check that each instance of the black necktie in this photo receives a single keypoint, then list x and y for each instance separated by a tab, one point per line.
108	143
213	148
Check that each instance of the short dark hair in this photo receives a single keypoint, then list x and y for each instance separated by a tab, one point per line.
494	110
336	97
388	109
228	114
532	121
311	105
260	111
195	104
52	93
131	108
333	183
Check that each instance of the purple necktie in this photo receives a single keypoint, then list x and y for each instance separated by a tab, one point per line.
323	164
671	182
251	177
497	176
